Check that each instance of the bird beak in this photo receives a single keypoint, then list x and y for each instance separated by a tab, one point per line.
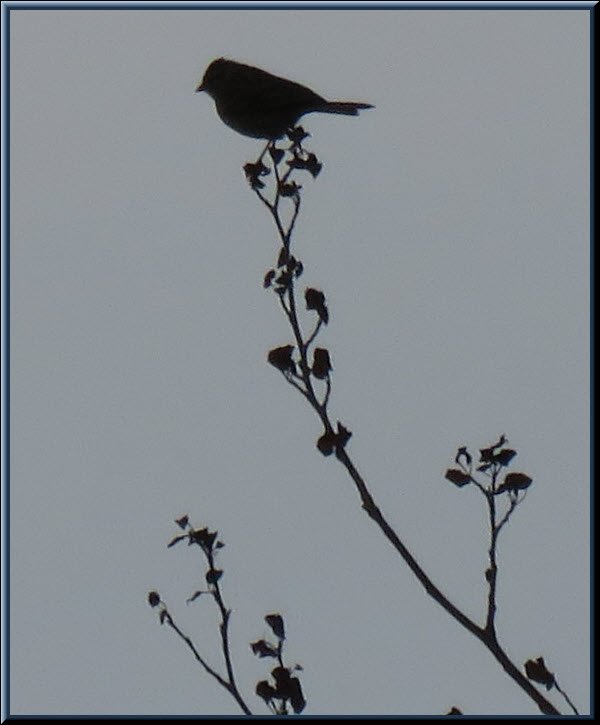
200	88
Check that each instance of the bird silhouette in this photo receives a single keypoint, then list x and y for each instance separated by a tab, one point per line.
261	105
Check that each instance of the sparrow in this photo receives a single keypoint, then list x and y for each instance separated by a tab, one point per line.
261	105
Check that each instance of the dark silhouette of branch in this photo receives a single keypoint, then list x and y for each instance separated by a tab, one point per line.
286	691
293	361
208	543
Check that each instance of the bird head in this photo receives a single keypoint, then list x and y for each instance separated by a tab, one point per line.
216	72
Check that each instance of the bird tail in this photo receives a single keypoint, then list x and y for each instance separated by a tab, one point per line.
347	108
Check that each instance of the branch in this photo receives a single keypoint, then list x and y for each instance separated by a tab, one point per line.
333	440
207	540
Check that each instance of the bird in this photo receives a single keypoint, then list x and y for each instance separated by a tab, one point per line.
259	104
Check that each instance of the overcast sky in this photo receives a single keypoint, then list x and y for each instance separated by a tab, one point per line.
449	229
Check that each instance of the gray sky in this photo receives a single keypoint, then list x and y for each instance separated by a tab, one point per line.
449	230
